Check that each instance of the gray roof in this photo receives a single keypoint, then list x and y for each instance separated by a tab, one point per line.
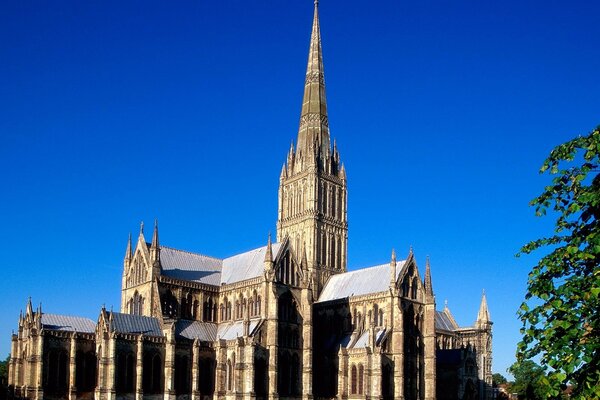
232	330
57	322
246	265
204	331
129	323
445	321
180	264
188	266
359	282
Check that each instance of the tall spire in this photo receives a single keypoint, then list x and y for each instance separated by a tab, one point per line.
483	316
154	247
427	283
269	251
128	251
313	132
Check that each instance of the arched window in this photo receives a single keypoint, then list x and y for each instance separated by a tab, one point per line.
380	317
85	375
228	317
170	305
295	367
258	306
405	287
360	378
229	375
151	381
415	287
182	375
206	376
58	371
125	373
136	304
353	379
195	309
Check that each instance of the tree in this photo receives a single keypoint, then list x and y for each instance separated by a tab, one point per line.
528	380
560	313
498	379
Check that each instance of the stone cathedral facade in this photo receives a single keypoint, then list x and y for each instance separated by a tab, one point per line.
284	321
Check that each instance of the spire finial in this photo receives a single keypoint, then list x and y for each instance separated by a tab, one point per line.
428	285
155	247
155	234
128	250
314	125
269	252
142	228
484	314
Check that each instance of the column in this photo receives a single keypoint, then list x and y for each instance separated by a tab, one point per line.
397	346
111	367
195	372
139	368
375	375
39	359
307	346
342	391
72	368
170	366
248	369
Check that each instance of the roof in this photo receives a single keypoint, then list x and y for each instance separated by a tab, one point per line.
445	321
129	323
232	330
246	265
180	264
68	323
188	266
204	331
359	282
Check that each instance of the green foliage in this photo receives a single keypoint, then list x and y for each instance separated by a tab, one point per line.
560	313
4	369
498	379
528	382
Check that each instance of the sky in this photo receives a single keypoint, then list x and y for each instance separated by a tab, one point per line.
443	111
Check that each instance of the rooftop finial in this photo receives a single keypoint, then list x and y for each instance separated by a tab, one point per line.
269	251
313	131
142	228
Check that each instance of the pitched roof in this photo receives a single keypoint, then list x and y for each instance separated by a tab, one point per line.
445	321
246	265
203	331
232	330
359	282
180	264
129	323
188	266
68	323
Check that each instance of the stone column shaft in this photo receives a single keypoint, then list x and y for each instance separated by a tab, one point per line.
139	370
72	368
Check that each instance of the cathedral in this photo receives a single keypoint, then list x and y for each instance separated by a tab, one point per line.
284	321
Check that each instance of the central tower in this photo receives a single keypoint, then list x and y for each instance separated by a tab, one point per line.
312	187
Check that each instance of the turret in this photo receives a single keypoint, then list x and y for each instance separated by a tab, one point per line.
269	265
128	254
155	247
483	316
393	272
427	283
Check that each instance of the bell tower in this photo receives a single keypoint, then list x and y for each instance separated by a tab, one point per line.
312	187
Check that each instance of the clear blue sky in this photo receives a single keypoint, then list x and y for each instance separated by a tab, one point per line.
117	112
